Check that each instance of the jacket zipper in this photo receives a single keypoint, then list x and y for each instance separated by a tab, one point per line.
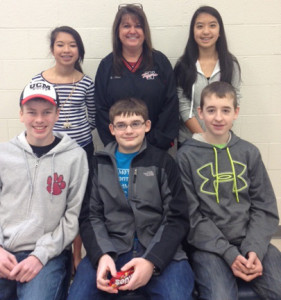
135	175
33	184
134	182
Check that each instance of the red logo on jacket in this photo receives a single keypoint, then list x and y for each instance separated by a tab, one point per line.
57	186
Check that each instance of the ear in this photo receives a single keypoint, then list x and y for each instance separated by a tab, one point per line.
21	115
200	113
147	125
236	112
111	129
57	114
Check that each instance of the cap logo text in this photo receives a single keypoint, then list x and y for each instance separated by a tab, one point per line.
39	85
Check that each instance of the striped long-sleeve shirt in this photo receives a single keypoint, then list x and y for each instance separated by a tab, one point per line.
77	109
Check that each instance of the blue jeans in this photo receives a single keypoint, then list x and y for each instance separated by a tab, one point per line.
176	282
48	284
215	280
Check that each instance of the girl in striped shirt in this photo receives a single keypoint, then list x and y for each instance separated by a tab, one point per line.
75	89
76	94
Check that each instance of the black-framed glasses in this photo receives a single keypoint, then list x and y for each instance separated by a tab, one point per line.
124	5
123	126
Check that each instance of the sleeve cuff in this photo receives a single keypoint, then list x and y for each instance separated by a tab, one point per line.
41	254
231	254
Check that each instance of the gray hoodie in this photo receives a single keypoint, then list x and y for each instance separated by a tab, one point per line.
232	206
40	198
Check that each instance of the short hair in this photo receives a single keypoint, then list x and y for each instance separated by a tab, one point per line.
221	89
128	107
77	38
136	12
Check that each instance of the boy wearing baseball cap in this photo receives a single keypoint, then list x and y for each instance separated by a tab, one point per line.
42	183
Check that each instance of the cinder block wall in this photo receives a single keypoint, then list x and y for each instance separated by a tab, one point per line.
253	30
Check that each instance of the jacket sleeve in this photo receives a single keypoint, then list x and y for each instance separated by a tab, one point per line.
184	105
92	224
167	127
263	212
102	104
174	226
91	106
203	232
236	81
53	243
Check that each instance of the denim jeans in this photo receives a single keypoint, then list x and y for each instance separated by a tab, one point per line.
174	283
48	284
215	280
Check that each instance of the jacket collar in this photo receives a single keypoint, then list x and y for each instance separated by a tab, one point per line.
110	148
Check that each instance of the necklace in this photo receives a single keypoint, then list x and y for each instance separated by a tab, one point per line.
66	123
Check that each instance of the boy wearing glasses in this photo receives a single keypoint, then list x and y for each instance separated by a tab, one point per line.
134	215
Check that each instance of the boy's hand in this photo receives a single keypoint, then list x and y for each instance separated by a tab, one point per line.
254	264
247	269
27	269
106	265
143	270
7	262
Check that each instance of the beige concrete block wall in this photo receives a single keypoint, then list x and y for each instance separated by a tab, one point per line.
253	30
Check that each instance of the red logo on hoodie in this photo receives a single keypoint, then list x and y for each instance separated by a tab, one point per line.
57	186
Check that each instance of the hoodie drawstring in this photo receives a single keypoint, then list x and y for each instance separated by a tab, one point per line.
217	175
53	175
192	101
28	174
234	174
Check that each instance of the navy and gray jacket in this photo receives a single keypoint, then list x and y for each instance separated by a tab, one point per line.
156	208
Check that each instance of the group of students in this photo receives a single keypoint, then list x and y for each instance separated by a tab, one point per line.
206	217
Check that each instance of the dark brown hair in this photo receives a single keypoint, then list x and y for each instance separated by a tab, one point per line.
221	89
128	107
138	14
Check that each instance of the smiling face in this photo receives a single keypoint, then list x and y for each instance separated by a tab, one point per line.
218	115
206	31
65	50
131	33
39	117
129	140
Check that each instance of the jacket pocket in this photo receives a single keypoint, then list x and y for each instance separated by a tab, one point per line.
22	235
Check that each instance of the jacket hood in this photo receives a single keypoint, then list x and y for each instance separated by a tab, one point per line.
198	142
65	144
111	148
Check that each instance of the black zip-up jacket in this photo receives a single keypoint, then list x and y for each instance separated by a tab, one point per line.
156	87
156	208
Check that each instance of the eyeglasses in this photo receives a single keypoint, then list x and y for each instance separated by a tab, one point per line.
134	125
124	5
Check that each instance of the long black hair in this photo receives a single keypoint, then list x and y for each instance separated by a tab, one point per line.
185	69
78	40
